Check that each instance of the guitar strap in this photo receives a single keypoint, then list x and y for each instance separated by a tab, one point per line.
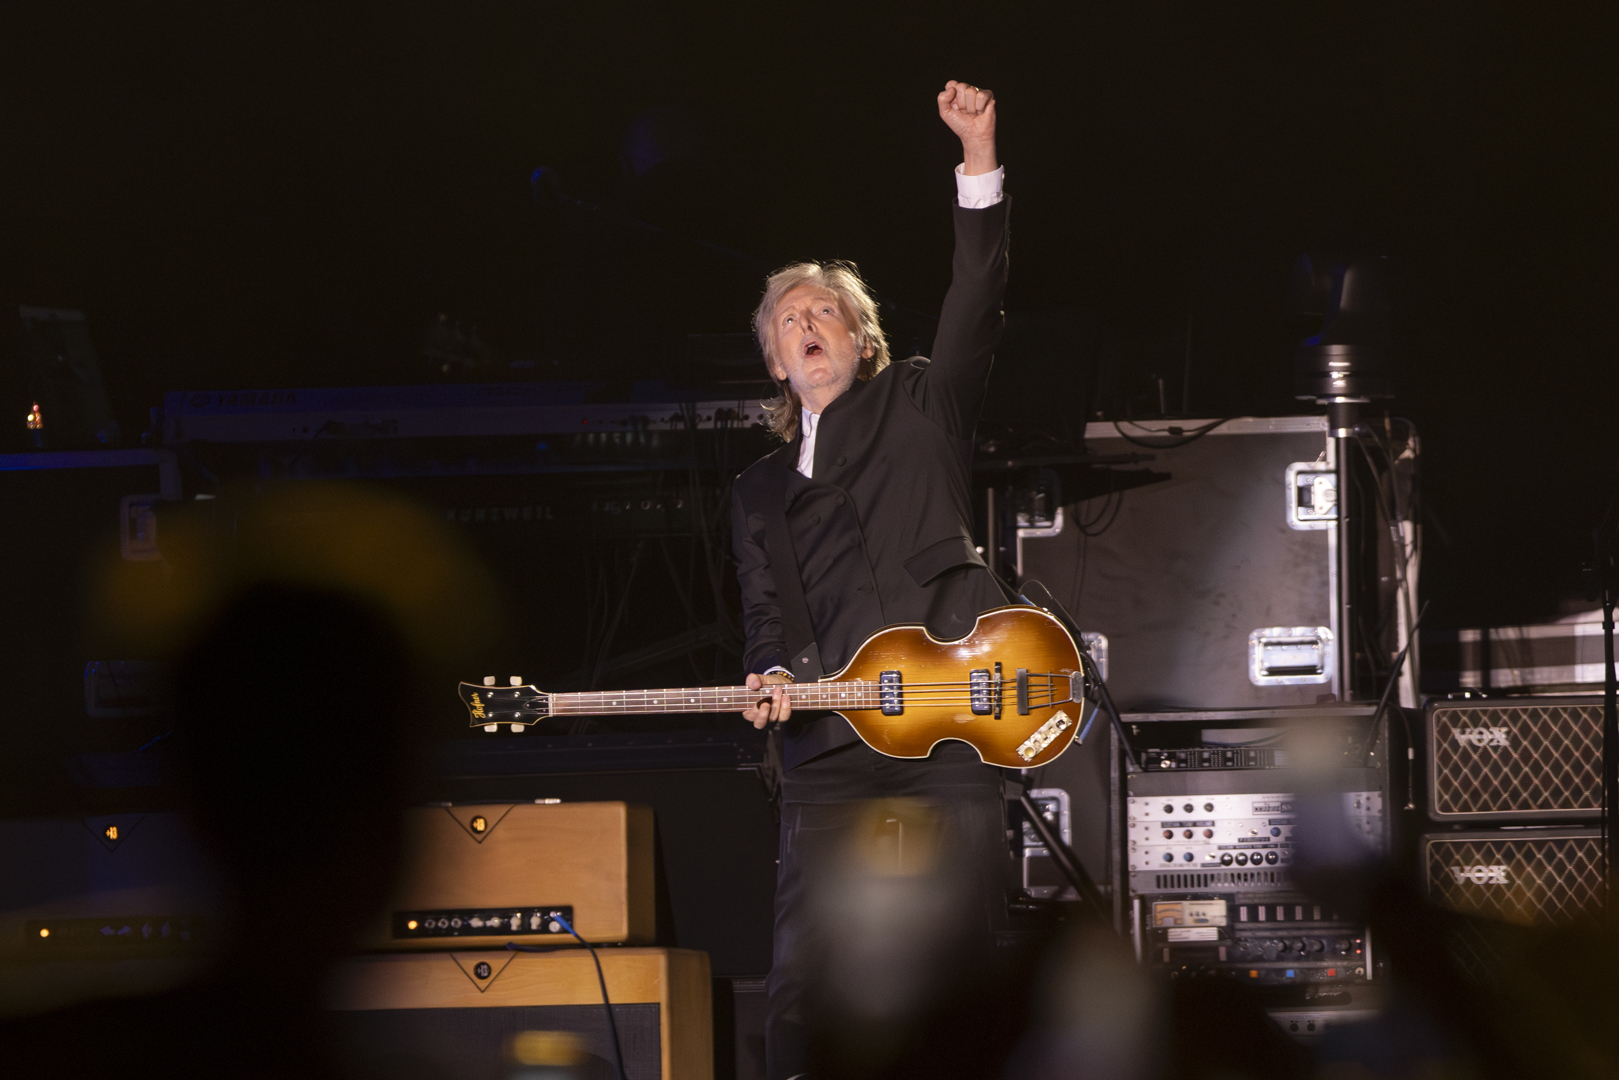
804	655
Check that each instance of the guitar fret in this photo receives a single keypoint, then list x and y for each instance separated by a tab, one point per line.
846	695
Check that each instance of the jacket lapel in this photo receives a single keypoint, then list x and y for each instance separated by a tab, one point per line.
786	462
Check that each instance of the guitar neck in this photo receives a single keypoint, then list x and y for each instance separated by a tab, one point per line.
705	699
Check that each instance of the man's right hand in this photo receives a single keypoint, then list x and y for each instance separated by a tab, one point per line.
969	111
772	706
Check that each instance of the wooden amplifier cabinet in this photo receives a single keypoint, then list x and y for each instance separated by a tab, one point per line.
104	906
454	1011
477	875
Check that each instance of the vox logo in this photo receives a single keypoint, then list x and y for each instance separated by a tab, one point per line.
1482	736
1480	875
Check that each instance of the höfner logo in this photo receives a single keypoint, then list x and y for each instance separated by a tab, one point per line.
1480	875
1483	736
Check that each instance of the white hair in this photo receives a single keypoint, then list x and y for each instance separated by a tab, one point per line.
843	280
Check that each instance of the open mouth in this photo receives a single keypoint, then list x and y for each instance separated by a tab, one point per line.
812	349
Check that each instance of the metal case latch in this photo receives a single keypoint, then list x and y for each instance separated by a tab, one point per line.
1290	655
1312	495
1097	644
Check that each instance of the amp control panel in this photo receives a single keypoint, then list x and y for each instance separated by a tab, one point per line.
1291	942
1221	832
482	922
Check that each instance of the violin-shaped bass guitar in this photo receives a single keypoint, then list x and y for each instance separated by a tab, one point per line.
1013	689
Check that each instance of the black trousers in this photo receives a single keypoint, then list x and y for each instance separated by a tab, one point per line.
821	800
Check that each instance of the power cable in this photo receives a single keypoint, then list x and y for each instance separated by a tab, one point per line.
1393	514
1405	721
1182	439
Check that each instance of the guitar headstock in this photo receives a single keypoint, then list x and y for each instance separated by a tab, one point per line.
517	704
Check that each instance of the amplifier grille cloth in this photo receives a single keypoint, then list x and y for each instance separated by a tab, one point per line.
1544	881
1487	952
1552	759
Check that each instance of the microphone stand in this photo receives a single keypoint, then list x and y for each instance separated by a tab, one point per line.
1065	860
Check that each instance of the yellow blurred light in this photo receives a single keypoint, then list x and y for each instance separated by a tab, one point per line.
44	931
353	539
547	1048
411	925
897	838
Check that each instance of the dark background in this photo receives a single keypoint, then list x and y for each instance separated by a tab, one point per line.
287	195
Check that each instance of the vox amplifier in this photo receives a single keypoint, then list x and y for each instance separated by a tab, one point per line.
458	1014
1533	877
1524	760
478	875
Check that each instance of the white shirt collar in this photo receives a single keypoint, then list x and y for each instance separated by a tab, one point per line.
807	422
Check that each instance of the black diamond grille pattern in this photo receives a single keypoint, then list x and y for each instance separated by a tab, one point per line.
1552	760
1531	881
1484	951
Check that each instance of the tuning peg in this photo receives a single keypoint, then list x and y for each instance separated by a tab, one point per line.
491	727
517	680
489	680
517	728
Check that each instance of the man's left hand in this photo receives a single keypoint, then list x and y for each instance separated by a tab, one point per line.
969	111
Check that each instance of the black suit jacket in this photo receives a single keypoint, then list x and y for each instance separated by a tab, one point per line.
883	532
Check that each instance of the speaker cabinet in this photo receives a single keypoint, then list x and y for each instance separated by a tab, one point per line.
1521	761
478	875
1532	877
452	1014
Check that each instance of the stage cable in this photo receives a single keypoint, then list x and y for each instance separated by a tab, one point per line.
612	1022
1180	440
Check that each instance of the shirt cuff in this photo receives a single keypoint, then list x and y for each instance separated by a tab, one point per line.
977	192
777	670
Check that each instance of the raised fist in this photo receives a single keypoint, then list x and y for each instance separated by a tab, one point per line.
969	111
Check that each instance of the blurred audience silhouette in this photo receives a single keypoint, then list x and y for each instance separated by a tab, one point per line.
293	717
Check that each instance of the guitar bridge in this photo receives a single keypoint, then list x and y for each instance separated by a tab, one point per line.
1045	689
889	694
980	692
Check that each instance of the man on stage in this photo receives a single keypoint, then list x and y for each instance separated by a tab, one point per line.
872	495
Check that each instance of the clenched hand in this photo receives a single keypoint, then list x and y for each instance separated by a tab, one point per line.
969	111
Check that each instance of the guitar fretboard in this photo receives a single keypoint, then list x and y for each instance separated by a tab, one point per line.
836	695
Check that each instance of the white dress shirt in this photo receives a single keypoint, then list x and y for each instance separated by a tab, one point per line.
807	422
977	192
